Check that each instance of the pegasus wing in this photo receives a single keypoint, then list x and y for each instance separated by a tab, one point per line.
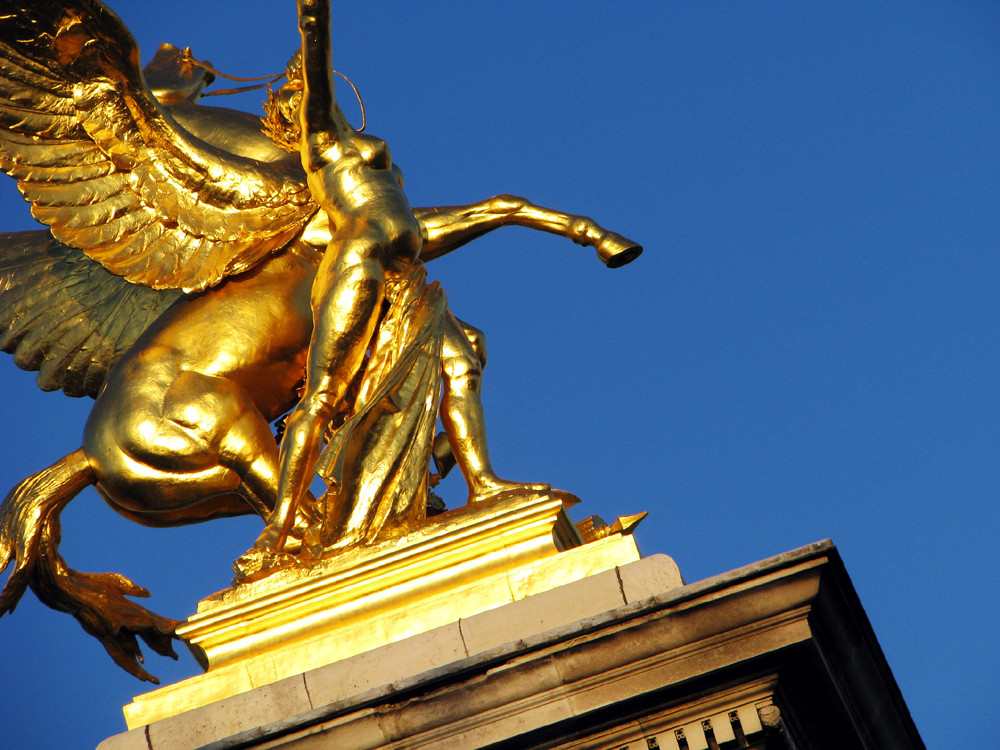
112	173
65	316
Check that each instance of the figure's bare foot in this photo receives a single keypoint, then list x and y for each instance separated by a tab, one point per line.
491	488
270	553
260	562
304	543
263	559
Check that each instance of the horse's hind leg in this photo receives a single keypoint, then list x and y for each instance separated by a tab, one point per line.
169	458
249	449
241	441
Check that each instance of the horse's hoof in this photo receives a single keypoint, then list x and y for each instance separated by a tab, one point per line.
616	251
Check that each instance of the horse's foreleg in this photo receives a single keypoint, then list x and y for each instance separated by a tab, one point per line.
447	228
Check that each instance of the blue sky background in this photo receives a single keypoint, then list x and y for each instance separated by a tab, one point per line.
808	347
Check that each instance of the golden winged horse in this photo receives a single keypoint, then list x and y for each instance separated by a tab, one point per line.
200	277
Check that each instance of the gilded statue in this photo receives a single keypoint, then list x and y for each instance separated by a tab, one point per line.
206	273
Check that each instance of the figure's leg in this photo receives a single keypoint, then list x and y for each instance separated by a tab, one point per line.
259	472
346	297
475	337
463	417
444	456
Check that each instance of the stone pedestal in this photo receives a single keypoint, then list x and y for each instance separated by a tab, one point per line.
775	655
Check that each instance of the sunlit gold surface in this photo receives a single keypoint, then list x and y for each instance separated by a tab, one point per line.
202	282
460	564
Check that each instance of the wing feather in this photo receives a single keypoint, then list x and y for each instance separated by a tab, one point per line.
112	173
65	315
59	161
130	224
90	193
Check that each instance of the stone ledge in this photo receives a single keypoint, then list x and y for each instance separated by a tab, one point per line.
395	663
619	669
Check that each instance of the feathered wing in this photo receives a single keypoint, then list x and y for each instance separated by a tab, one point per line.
110	171
66	316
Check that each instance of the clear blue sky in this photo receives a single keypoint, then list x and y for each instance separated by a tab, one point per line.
808	348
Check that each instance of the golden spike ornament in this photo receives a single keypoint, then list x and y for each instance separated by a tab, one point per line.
203	277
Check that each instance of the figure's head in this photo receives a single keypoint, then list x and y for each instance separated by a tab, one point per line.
281	121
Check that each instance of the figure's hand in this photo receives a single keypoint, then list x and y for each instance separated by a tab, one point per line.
312	7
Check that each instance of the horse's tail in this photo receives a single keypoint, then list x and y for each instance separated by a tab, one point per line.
29	515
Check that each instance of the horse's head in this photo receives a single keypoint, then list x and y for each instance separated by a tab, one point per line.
173	77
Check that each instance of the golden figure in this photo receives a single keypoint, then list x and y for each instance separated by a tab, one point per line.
200	278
